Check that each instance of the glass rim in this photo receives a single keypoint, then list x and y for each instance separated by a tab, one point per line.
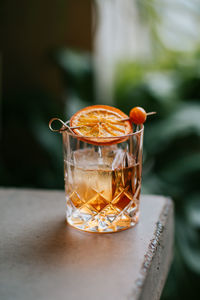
70	132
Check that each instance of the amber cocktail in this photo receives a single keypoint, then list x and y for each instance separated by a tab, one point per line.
102	169
102	183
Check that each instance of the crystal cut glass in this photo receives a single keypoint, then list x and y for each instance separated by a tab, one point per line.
103	182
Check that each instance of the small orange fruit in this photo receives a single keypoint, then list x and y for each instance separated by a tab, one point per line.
138	115
98	124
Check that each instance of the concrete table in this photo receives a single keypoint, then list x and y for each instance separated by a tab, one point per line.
42	258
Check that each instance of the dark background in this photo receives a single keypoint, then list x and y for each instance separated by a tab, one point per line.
46	62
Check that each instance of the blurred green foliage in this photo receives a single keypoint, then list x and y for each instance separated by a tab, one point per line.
171	87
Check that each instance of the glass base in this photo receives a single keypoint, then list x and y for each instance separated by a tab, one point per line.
103	223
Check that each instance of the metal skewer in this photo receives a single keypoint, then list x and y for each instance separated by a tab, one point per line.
151	113
127	119
148	114
63	128
65	125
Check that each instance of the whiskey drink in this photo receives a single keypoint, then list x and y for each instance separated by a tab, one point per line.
102	189
102	167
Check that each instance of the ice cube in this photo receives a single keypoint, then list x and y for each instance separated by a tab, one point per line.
122	159
85	158
119	159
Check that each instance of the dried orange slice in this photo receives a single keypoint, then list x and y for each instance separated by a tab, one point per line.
98	124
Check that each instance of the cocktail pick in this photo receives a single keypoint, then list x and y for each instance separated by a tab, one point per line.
138	115
64	126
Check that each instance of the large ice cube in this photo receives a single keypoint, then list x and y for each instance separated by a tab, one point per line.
90	177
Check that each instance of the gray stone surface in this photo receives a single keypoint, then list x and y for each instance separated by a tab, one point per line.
43	258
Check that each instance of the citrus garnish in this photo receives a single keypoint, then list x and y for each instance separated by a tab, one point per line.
138	115
100	121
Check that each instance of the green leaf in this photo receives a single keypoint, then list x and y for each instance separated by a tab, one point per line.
182	168
183	122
